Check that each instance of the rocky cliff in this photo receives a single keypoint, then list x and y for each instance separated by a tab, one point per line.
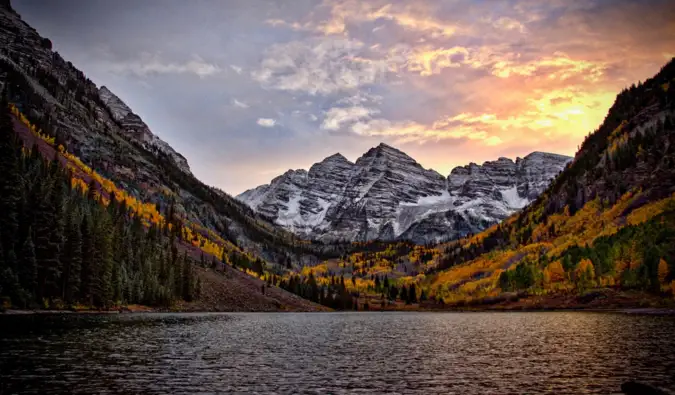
387	195
135	128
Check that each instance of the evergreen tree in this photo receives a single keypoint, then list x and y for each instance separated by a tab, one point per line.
10	179
87	269
412	294
188	292
28	272
102	271
72	259
393	292
46	245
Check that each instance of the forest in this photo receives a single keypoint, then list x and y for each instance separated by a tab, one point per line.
64	246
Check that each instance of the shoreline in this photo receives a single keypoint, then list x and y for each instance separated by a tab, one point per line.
653	311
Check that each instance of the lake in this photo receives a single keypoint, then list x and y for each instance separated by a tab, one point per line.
425	353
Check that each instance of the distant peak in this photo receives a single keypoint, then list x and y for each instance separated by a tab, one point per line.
386	147
541	154
337	157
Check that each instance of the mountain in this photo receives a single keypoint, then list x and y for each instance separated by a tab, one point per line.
387	195
601	234
98	129
135	128
606	223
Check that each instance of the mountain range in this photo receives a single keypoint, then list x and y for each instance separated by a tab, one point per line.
387	195
604	219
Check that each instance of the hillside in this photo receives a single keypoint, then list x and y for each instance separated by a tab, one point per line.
387	195
602	234
110	154
72	239
607	221
98	128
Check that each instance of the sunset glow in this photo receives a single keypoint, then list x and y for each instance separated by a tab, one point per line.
448	82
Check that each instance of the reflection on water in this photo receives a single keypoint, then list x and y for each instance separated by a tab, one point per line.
463	353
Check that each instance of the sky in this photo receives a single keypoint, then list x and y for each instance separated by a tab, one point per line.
247	89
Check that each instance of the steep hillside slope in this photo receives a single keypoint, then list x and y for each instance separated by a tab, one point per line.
601	235
607	220
72	239
98	128
387	195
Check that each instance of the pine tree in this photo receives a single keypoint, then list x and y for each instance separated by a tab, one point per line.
116	284
87	265
187	280
72	259
103	261
46	246
10	179
412	294
28	272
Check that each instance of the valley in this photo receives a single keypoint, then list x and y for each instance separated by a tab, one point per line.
543	231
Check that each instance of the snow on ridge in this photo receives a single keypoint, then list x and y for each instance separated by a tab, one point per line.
386	194
512	199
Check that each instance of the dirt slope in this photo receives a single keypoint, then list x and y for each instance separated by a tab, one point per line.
233	290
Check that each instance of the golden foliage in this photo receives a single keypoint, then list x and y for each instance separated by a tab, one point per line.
204	239
585	269
662	271
554	273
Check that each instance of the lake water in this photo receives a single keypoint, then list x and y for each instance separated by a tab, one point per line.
425	353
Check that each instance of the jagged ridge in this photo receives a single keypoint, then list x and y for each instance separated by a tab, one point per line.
387	195
137	129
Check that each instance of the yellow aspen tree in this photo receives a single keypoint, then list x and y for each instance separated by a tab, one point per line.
584	274
555	271
663	271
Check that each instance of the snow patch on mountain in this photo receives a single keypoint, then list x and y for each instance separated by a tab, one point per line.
386	194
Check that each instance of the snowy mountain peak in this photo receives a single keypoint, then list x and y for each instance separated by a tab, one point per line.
386	194
134	126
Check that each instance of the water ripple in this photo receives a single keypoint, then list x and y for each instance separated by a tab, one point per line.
340	353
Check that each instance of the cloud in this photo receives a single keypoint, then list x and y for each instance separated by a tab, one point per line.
337	116
411	131
506	23
239	104
410	18
266	122
153	64
319	67
458	81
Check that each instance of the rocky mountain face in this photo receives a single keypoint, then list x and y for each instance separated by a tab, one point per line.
387	195
134	126
100	129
